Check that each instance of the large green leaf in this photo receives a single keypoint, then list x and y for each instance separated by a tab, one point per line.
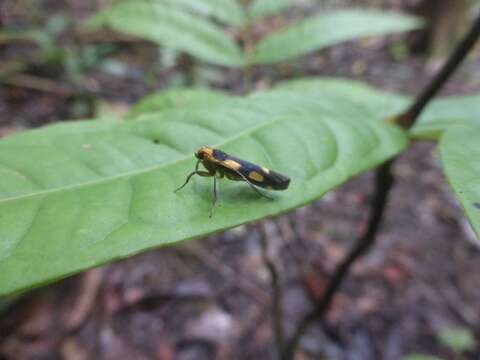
227	11
299	103
44	136
460	153
262	8
171	27
379	102
177	98
438	116
445	113
328	29
70	200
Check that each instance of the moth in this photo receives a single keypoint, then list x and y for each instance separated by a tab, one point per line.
219	164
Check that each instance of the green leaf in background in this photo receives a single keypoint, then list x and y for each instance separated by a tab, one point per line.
263	8
227	11
439	116
172	28
458	339
460	154
177	98
445	113
72	200
23	35
329	29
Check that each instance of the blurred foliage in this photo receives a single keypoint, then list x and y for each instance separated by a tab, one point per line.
458	339
68	56
170	25
163	100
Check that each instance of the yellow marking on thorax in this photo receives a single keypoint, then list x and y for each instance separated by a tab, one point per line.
255	176
232	164
265	170
206	150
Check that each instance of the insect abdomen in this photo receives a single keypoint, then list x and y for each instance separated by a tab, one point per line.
275	181
264	177
258	175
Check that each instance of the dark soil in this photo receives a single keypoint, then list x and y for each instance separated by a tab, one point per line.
211	298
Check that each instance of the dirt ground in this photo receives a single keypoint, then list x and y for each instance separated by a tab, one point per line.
211	298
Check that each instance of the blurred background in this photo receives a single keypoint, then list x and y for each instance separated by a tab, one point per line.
416	293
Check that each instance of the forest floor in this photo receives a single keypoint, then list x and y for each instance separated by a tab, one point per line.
211	298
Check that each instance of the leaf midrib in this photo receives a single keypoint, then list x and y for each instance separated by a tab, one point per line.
136	172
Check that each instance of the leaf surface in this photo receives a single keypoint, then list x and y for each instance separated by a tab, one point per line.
445	113
381	103
177	98
328	29
460	154
171	27
227	11
74	199
263	8
440	115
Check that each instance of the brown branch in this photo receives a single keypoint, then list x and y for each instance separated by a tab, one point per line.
241	280
87	292
407	118
277	309
38	83
383	183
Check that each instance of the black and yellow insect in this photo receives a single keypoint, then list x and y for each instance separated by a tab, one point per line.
219	164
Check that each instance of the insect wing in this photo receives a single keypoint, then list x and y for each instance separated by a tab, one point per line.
256	174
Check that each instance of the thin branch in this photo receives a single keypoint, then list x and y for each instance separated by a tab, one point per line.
186	65
407	118
37	83
383	183
241	280
277	309
87	293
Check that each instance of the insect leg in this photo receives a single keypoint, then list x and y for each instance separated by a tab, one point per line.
214	195
251	185
196	172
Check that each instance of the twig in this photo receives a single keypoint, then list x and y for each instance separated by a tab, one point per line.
186	65
383	184
407	118
277	309
37	83
241	280
248	47
88	290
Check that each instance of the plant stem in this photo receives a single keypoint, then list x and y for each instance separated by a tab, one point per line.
186	64
407	118
277	309
383	184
